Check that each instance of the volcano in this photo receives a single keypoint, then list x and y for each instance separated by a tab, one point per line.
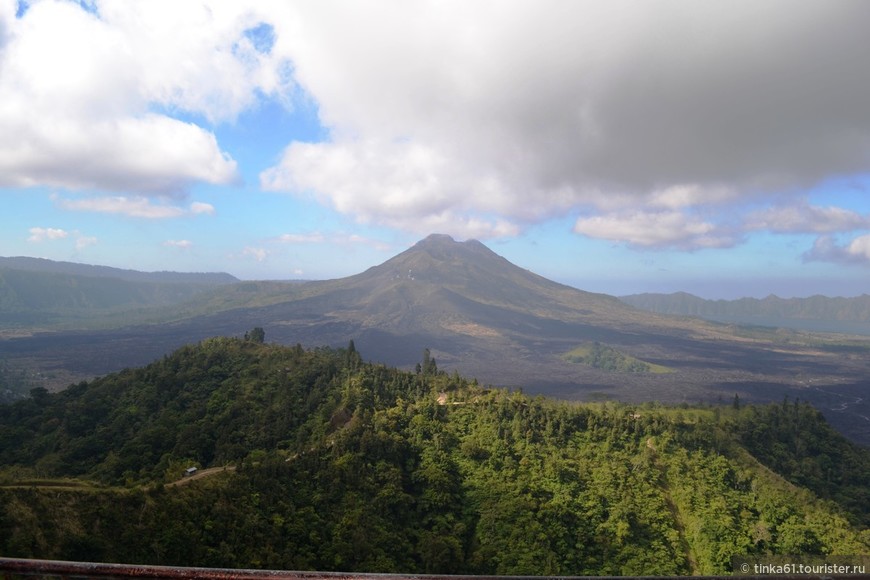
461	300
441	286
484	317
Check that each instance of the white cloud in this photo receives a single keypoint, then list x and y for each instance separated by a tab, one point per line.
309	238
38	234
182	244
89	99
826	249
199	207
332	239
660	229
523	111
259	254
83	242
395	179
860	248
395	184
802	217
138	206
470	118
682	196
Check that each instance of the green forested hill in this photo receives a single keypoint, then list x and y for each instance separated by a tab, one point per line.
32	298
343	465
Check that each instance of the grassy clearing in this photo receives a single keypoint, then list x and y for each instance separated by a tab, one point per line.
606	358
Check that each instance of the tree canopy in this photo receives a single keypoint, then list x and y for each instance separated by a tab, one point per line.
337	464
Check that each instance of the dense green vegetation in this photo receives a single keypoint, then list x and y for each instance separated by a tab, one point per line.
794	440
344	465
607	358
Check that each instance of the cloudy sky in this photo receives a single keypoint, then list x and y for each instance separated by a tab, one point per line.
721	148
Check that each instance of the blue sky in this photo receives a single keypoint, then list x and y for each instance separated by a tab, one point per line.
719	148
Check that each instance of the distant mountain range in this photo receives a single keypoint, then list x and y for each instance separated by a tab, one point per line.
817	313
39	292
75	269
474	311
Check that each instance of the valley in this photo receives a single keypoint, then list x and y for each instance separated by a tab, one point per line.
483	317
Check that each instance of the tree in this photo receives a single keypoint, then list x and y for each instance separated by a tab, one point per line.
429	367
354	359
39	394
257	334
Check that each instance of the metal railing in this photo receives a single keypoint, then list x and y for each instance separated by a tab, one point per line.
19	568
12	568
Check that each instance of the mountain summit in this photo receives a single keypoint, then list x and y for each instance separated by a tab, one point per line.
440	260
476	311
448	289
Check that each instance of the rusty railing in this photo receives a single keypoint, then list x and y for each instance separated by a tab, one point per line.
19	568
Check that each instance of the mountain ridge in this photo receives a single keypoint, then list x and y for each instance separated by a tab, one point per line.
75	268
817	312
46	293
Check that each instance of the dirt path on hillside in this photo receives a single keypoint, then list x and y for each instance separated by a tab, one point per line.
676	515
201	474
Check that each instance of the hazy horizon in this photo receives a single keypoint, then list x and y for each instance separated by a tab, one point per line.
708	290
